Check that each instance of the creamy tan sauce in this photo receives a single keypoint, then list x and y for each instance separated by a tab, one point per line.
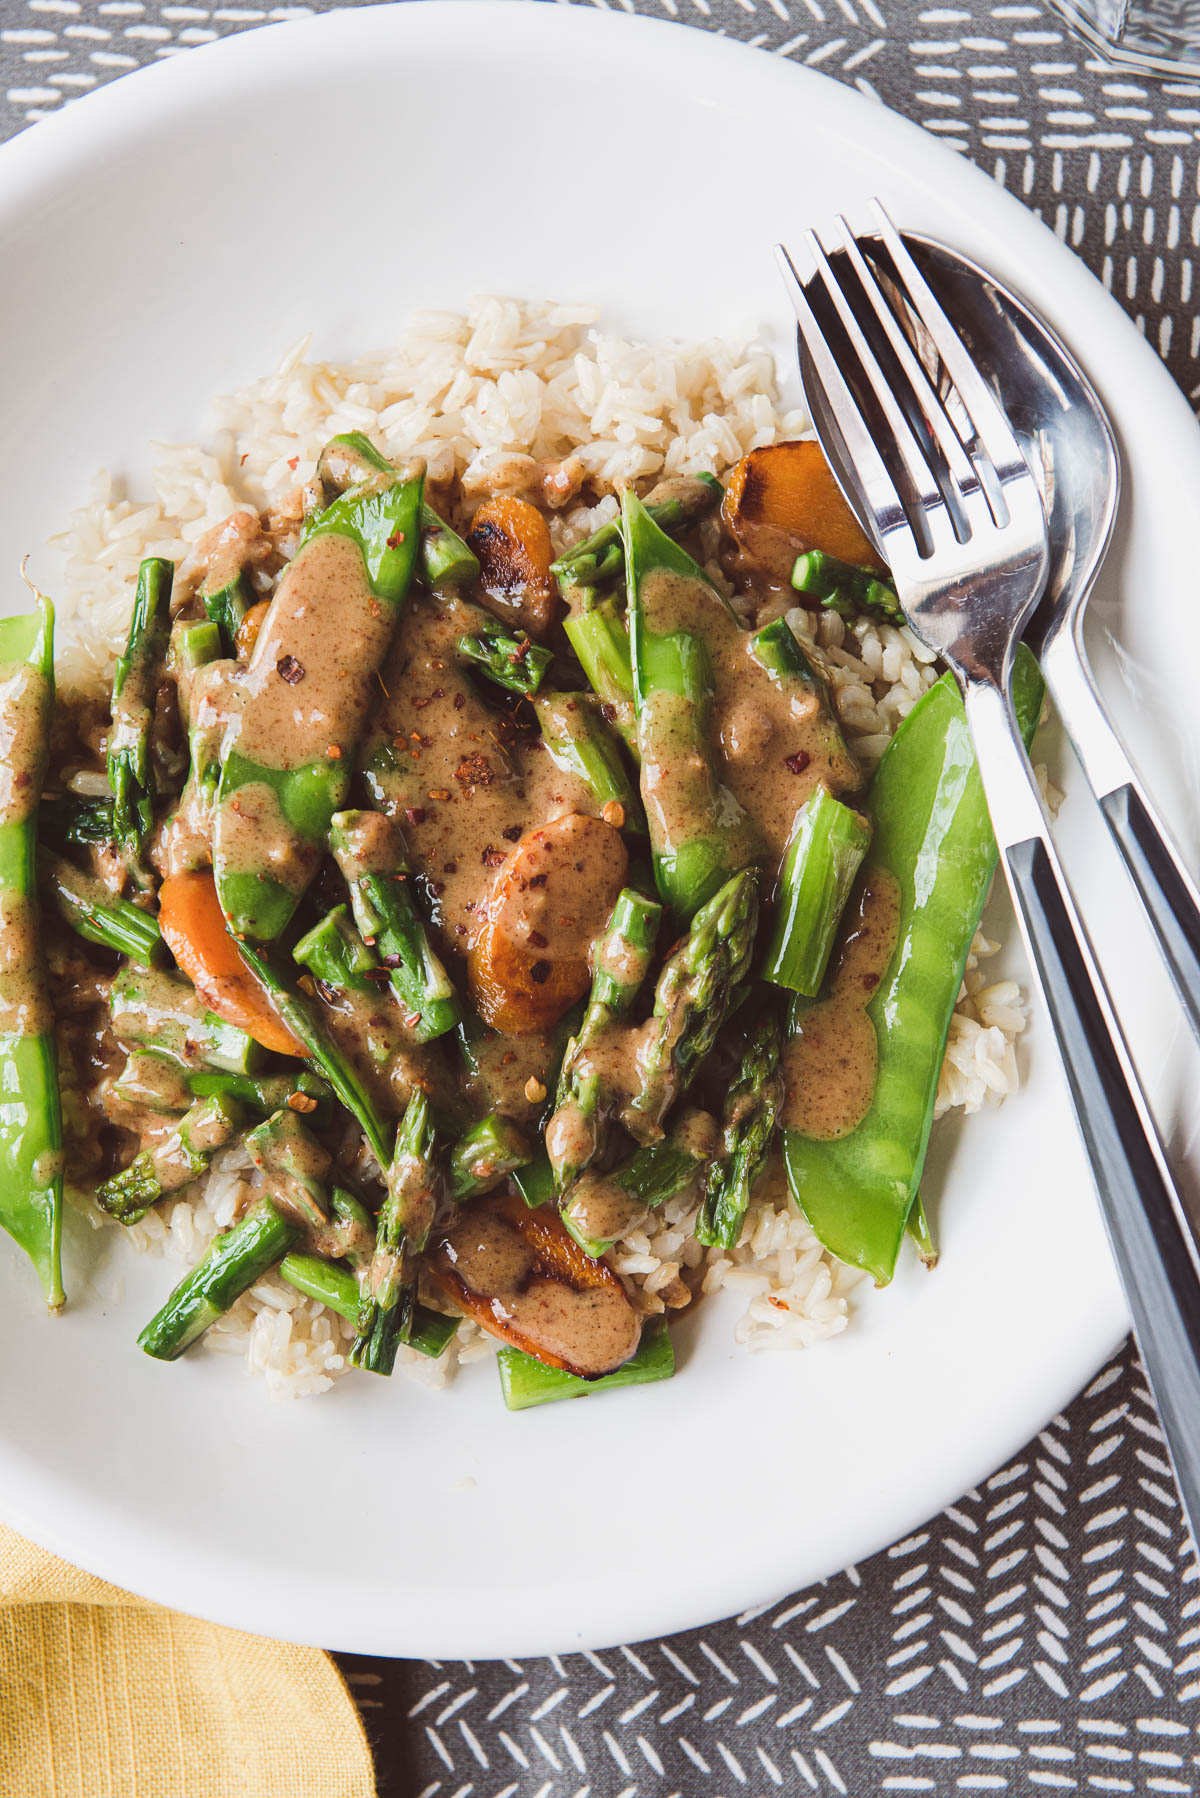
774	742
312	676
24	699
829	1065
590	1329
506	1066
255	838
461	795
24	1003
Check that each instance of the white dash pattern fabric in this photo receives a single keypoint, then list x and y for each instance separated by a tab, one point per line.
1043	1635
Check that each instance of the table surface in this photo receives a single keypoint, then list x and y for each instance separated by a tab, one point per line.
1043	1634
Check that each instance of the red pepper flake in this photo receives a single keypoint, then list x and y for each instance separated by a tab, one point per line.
414	814
493	858
507	1059
437	888
290	670
539	972
244	459
395	540
538	880
334	753
437	793
413	1019
512	834
460	930
779	1304
799	762
293	463
450	868
870	982
419	705
460	700
537	940
440	693
474	771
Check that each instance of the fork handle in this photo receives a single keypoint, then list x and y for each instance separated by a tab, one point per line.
1151	1241
1164	885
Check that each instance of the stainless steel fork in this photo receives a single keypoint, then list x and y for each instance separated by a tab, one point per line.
960	520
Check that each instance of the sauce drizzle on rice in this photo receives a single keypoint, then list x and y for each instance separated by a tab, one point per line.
519	398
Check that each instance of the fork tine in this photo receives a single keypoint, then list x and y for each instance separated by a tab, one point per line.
935	514
995	433
941	427
883	501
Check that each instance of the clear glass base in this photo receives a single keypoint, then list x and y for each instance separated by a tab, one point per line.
1152	37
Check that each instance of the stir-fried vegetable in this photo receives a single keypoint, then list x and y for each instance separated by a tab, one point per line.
934	838
31	1144
454	1035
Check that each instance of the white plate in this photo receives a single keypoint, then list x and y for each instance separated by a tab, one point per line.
165	239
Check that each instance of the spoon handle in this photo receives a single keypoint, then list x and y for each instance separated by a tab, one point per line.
1152	1242
1158	871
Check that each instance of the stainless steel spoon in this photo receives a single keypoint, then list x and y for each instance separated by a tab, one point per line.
1060	421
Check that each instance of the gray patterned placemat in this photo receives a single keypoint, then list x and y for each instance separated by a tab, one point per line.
1043	1634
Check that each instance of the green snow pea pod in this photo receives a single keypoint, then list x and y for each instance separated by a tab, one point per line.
289	753
30	1113
934	837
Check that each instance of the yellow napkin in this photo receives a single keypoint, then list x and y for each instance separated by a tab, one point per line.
103	1695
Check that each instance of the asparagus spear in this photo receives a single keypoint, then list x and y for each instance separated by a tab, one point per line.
370	853
130	766
174	1163
31	1115
601	641
777	650
697	989
581	743
402	1229
587	1101
752	1108
289	792
484	1154
303	1021
535	1181
99	915
823	856
70	820
336	1287
841	587
233	1262
526	1382
150	1009
674	505
191	827
157	1082
699	833
300	1092
511	662
295	1165
600	1207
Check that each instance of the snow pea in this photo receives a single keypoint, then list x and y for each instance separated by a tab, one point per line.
31	1185
934	837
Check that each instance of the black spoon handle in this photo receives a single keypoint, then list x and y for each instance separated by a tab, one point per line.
1158	871
1151	1239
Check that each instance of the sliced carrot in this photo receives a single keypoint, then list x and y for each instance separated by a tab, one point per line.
193	927
782	499
248	629
542	1266
512	541
528	962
